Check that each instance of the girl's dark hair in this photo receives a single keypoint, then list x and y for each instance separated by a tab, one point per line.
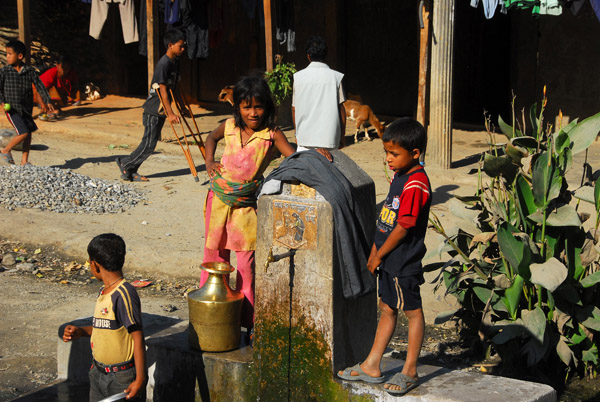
406	132
108	250
254	86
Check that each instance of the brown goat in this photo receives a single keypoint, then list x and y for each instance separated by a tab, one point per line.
362	114
226	94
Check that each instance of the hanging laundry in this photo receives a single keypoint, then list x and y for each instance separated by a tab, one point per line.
489	7
286	32
538	7
596	7
86	1
574	5
194	21
128	20
171	11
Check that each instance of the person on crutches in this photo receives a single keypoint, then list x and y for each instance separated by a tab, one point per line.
155	112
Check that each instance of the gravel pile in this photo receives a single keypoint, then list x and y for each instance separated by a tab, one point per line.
63	191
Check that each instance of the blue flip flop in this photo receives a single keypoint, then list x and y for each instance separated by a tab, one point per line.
7	159
362	376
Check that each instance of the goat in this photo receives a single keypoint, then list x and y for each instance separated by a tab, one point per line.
226	94
92	92
361	114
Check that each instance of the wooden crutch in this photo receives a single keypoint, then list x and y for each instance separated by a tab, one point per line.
199	139
186	152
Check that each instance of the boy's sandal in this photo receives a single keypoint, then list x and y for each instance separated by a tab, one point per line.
403	381
7	158
138	177
362	376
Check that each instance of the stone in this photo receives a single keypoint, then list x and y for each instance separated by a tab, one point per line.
305	329
26	266
8	259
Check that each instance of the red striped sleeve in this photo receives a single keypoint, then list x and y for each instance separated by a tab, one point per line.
415	195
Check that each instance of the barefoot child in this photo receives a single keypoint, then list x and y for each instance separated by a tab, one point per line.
230	216
117	338
16	98
396	256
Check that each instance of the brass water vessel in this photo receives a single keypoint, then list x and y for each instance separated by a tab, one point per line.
215	311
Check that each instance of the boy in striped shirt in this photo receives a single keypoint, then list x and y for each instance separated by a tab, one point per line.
117	338
396	256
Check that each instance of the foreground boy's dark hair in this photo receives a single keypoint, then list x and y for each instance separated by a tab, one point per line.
173	36
108	250
316	48
254	86
406	132
17	46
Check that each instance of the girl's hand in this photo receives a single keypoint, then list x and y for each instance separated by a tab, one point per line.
212	168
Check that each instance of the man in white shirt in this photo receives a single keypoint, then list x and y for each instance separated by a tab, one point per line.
318	102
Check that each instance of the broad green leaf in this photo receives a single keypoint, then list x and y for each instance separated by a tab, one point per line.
546	180
584	133
516	252
590	280
564	352
526	142
484	294
468	199
507	129
550	274
590	355
535	322
515	153
565	215
561	141
495	166
444	316
568	293
508	330
565	160
512	296
589	317
525	196
574	242
585	193
534	350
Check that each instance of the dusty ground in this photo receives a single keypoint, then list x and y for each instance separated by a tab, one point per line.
164	236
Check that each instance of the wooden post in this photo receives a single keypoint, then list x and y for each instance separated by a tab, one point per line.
24	33
268	35
423	62
440	103
152	29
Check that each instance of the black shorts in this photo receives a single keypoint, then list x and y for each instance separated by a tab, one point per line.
23	123
401	293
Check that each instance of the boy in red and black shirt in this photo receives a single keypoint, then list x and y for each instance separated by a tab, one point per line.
396	255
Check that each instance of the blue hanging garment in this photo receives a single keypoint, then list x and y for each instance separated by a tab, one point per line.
171	11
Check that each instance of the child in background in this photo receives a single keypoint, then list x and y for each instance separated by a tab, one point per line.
230	217
166	75
396	256
16	97
117	338
62	83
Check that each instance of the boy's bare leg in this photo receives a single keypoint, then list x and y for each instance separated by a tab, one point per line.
416	332
385	330
26	148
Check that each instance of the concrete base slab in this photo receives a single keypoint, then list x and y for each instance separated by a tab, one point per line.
443	385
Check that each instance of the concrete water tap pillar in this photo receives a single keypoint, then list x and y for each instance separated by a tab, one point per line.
439	144
305	329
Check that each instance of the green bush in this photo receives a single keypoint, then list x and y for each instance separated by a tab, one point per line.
281	80
522	266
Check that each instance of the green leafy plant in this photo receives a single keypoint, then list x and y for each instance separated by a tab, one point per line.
524	269
280	79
